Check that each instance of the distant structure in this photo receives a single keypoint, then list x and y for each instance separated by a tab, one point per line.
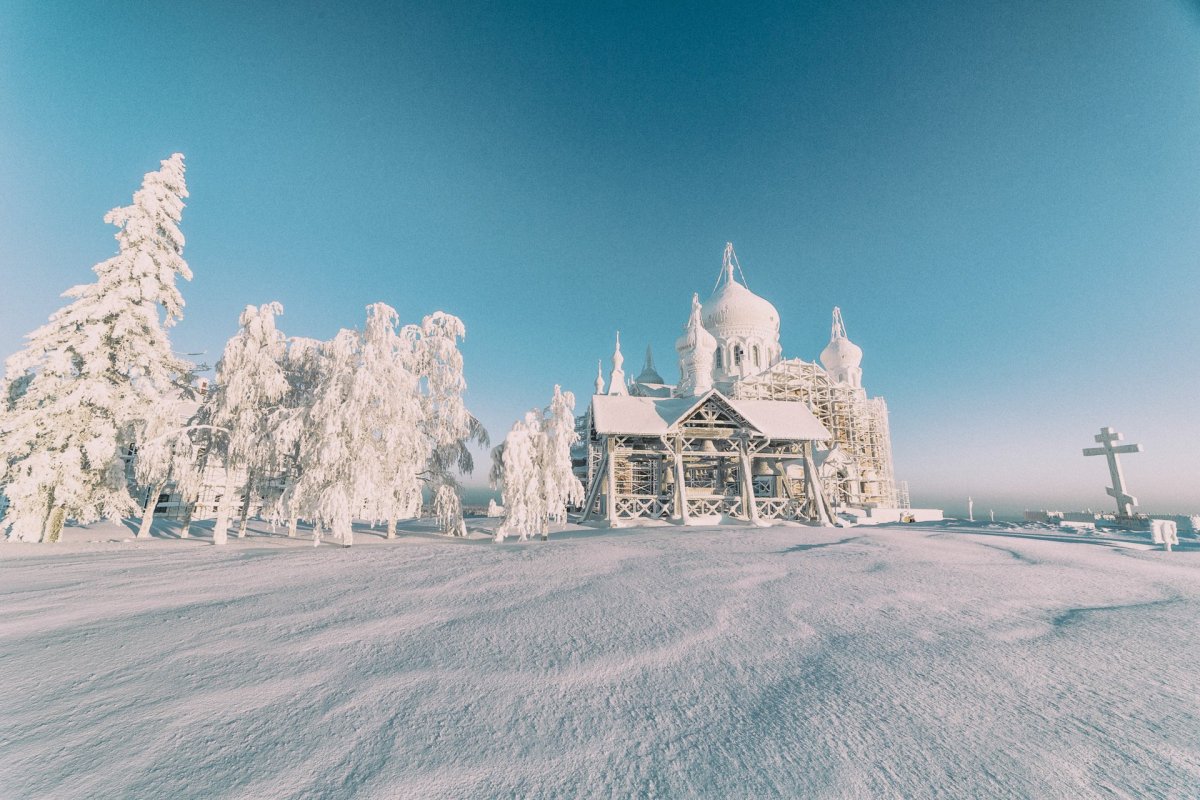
1108	448
744	433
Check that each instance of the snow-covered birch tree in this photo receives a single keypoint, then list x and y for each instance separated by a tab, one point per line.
166	453
449	426
563	487
386	405
326	490
533	469
303	368
77	398
242	402
386	420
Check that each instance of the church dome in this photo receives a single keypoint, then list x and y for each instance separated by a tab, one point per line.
842	358
734	310
841	354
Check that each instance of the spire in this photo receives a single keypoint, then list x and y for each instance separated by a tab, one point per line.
616	381
839	327
729	261
649	375
599	376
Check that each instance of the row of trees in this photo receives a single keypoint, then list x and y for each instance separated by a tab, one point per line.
356	427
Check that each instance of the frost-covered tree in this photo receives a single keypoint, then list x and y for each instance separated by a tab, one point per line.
533	468
302	367
386	419
385	402
449	428
524	494
78	397
562	486
242	404
167	453
326	490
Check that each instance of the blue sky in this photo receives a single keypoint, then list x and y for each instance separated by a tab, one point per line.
1004	198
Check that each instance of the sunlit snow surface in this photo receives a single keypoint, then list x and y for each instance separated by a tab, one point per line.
781	662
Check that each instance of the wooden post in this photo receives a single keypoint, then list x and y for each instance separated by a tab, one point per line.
594	489
747	483
814	490
680	482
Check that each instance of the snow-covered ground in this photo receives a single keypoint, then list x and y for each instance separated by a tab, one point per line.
656	662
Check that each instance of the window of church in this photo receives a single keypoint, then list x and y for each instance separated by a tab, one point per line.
737	356
719	359
756	356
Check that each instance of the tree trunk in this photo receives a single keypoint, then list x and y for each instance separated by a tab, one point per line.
185	530
316	534
224	509
54	524
152	494
345	532
292	524
391	528
245	505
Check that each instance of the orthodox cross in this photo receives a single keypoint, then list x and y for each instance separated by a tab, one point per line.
1106	438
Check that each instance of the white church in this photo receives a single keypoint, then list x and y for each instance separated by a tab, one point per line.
745	434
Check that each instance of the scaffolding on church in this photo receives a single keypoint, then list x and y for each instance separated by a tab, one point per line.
859	426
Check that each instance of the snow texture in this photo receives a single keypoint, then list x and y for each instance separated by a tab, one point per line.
651	662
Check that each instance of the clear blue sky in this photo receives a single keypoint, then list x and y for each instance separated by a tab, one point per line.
1004	197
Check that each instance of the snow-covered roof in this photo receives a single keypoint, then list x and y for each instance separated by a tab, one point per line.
655	416
782	419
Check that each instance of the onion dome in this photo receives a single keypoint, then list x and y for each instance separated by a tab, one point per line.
841	353
734	310
842	358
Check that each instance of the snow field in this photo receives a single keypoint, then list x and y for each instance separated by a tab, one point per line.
654	662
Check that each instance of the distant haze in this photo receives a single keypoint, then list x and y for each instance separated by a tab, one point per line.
1004	198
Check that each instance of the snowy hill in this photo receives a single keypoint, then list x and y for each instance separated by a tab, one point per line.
779	662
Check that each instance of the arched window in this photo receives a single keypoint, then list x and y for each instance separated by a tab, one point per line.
737	355
720	364
756	362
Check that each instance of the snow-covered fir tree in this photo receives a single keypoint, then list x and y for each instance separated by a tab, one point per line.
77	398
242	404
533	469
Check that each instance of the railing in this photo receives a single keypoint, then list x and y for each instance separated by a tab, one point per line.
714	506
778	508
643	507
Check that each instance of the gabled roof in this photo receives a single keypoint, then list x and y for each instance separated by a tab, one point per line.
655	416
